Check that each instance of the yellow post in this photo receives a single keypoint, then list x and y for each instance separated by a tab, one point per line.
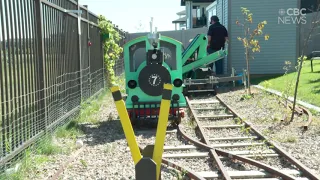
162	126
126	124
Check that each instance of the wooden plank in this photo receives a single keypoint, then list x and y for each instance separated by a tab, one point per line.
298	178
261	179
233	138
186	155
251	152
217	109
236	145
246	174
205	102
202	155
217	116
192	147
154	132
224	126
261	155
253	156
177	148
171	131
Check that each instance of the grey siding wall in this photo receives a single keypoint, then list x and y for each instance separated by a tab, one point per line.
181	35
314	43
279	48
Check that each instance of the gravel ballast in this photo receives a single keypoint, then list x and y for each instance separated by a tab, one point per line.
105	154
265	113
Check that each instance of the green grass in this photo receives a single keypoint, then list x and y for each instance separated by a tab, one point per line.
88	114
309	85
70	130
33	159
43	151
120	81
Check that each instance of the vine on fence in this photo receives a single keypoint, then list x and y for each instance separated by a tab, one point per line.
112	50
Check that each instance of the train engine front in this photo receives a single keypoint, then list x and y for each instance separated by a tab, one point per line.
151	61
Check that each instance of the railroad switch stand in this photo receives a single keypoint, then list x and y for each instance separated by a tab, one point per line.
147	166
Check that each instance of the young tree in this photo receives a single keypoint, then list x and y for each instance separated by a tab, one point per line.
249	41
315	23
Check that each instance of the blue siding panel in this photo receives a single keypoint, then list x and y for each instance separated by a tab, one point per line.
279	48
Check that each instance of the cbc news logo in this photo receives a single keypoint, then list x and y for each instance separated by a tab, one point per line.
292	16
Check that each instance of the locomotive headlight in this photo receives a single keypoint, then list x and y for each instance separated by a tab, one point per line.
177	82
176	97
132	84
154	56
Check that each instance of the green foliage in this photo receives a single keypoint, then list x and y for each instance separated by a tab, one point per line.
112	50
84	163
70	130
32	160
47	147
249	41
246	97
288	83
315	24
309	86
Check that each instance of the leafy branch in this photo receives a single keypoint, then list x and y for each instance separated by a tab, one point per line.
112	50
315	23
249	41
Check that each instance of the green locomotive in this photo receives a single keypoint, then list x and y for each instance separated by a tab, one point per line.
151	61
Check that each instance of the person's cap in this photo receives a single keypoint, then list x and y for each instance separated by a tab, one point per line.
215	18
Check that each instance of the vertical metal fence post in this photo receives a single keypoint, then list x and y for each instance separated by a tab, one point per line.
89	60
103	65
41	64
79	43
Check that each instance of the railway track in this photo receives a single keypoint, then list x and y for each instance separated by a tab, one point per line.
226	147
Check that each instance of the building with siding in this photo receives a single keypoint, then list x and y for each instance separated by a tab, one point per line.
196	15
285	40
283	44
181	21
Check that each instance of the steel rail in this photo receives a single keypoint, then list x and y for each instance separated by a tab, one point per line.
300	110
305	126
64	166
206	141
176	166
266	167
307	172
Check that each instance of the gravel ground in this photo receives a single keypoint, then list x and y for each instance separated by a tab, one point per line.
196	164
105	154
187	125
206	122
265	111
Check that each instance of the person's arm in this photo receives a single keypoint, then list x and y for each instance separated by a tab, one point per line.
209	35
226	35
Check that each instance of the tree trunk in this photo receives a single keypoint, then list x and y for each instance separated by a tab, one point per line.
248	70
296	89
315	21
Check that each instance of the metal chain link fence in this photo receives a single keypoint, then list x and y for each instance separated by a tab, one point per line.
51	62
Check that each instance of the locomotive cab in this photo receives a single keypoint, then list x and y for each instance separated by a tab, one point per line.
151	61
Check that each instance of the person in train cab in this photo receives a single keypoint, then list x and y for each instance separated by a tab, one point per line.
217	37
